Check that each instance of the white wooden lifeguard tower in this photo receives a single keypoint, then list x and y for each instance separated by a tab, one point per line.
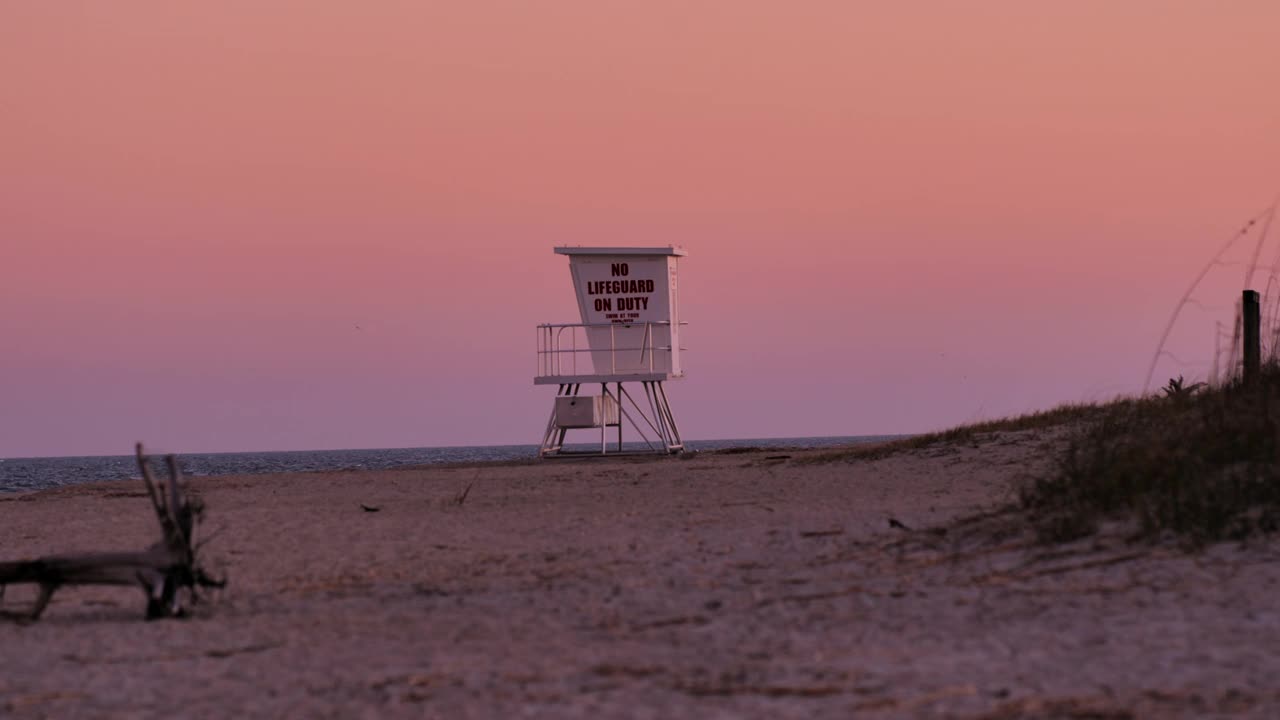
628	300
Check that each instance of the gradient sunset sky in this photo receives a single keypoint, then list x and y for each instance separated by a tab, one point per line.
899	215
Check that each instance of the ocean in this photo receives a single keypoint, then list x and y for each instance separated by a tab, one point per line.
26	474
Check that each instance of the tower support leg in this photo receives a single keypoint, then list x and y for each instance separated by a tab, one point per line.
657	417
674	443
553	438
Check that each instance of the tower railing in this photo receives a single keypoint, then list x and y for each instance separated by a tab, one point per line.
610	349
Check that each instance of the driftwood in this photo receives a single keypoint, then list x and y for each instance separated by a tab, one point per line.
161	571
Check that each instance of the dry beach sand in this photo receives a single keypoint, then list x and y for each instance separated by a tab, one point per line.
727	585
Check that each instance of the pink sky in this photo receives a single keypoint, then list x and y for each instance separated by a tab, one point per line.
900	216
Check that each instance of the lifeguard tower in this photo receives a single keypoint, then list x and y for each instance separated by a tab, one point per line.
628	301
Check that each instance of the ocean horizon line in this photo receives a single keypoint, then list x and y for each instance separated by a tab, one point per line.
155	451
25	474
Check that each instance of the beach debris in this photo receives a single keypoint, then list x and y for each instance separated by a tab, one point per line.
461	497
162	571
369	508
894	523
777	457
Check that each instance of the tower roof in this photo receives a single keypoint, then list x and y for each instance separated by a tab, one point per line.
580	250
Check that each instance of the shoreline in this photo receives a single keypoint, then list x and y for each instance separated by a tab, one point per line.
719	584
26	474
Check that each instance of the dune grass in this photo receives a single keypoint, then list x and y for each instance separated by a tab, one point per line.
1202	465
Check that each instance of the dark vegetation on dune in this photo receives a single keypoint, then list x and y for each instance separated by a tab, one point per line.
1201	463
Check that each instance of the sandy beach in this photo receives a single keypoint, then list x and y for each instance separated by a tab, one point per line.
726	585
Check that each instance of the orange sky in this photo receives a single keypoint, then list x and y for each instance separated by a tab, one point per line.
899	215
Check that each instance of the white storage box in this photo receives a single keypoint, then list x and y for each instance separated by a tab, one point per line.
586	411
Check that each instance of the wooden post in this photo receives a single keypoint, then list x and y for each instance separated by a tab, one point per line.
1252	317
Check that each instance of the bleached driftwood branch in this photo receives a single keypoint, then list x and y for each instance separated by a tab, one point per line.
161	571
